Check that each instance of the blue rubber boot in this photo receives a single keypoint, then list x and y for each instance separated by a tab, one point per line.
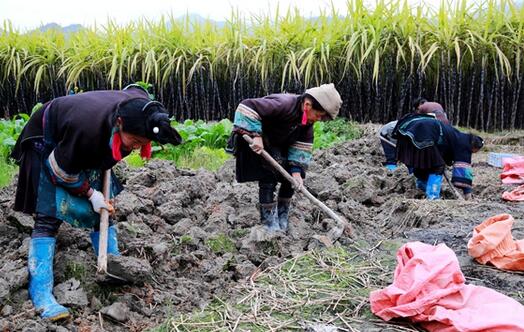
433	186
112	241
391	167
421	184
269	216
40	263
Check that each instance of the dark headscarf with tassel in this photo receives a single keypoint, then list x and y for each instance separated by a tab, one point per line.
144	118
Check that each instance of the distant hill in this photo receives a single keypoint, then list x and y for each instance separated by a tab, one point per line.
195	18
67	29
200	19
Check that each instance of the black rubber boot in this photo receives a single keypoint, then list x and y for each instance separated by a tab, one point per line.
269	216
283	213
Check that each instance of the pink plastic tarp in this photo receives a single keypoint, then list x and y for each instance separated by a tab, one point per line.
492	242
513	171
429	288
516	195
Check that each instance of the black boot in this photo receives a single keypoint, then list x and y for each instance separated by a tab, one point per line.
283	213
269	216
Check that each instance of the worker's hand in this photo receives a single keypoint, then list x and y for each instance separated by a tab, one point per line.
258	144
111	204
298	180
98	202
467	193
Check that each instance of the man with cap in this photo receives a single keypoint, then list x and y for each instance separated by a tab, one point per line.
422	106
282	124
63	151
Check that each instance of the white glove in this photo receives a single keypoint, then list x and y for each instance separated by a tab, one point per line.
98	202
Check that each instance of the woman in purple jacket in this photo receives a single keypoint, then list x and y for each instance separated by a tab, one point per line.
62	152
282	124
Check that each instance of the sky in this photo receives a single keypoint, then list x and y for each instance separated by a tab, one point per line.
28	14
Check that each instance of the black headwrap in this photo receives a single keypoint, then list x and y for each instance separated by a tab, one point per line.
148	119
476	142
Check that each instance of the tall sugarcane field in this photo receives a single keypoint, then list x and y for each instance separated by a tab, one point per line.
179	241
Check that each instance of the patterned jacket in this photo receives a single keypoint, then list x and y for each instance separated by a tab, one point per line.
277	118
76	132
454	146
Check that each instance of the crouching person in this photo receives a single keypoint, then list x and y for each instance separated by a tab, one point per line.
282	124
428	145
388	140
62	152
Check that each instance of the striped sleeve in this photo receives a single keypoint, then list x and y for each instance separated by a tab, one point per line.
462	175
76	184
300	154
247	119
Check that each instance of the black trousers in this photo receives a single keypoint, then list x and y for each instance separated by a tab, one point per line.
266	191
390	153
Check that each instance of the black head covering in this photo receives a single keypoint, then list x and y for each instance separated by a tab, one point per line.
476	142
417	102
149	119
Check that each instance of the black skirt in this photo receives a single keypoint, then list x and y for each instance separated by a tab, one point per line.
250	166
28	179
424	159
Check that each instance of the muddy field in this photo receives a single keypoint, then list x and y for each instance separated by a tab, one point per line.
200	233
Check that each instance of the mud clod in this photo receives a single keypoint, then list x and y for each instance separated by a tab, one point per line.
132	269
188	238
117	311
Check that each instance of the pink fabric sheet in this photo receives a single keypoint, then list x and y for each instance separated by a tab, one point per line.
429	288
492	242
513	171
516	195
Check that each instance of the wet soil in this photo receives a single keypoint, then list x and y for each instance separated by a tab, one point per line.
200	233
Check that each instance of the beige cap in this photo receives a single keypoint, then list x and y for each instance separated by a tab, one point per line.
328	97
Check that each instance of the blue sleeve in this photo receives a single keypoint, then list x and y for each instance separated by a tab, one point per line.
247	119
300	152
462	176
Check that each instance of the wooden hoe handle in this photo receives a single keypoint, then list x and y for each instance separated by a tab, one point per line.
291	180
104	224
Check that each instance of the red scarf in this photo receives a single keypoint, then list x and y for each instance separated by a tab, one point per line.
145	151
304	117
